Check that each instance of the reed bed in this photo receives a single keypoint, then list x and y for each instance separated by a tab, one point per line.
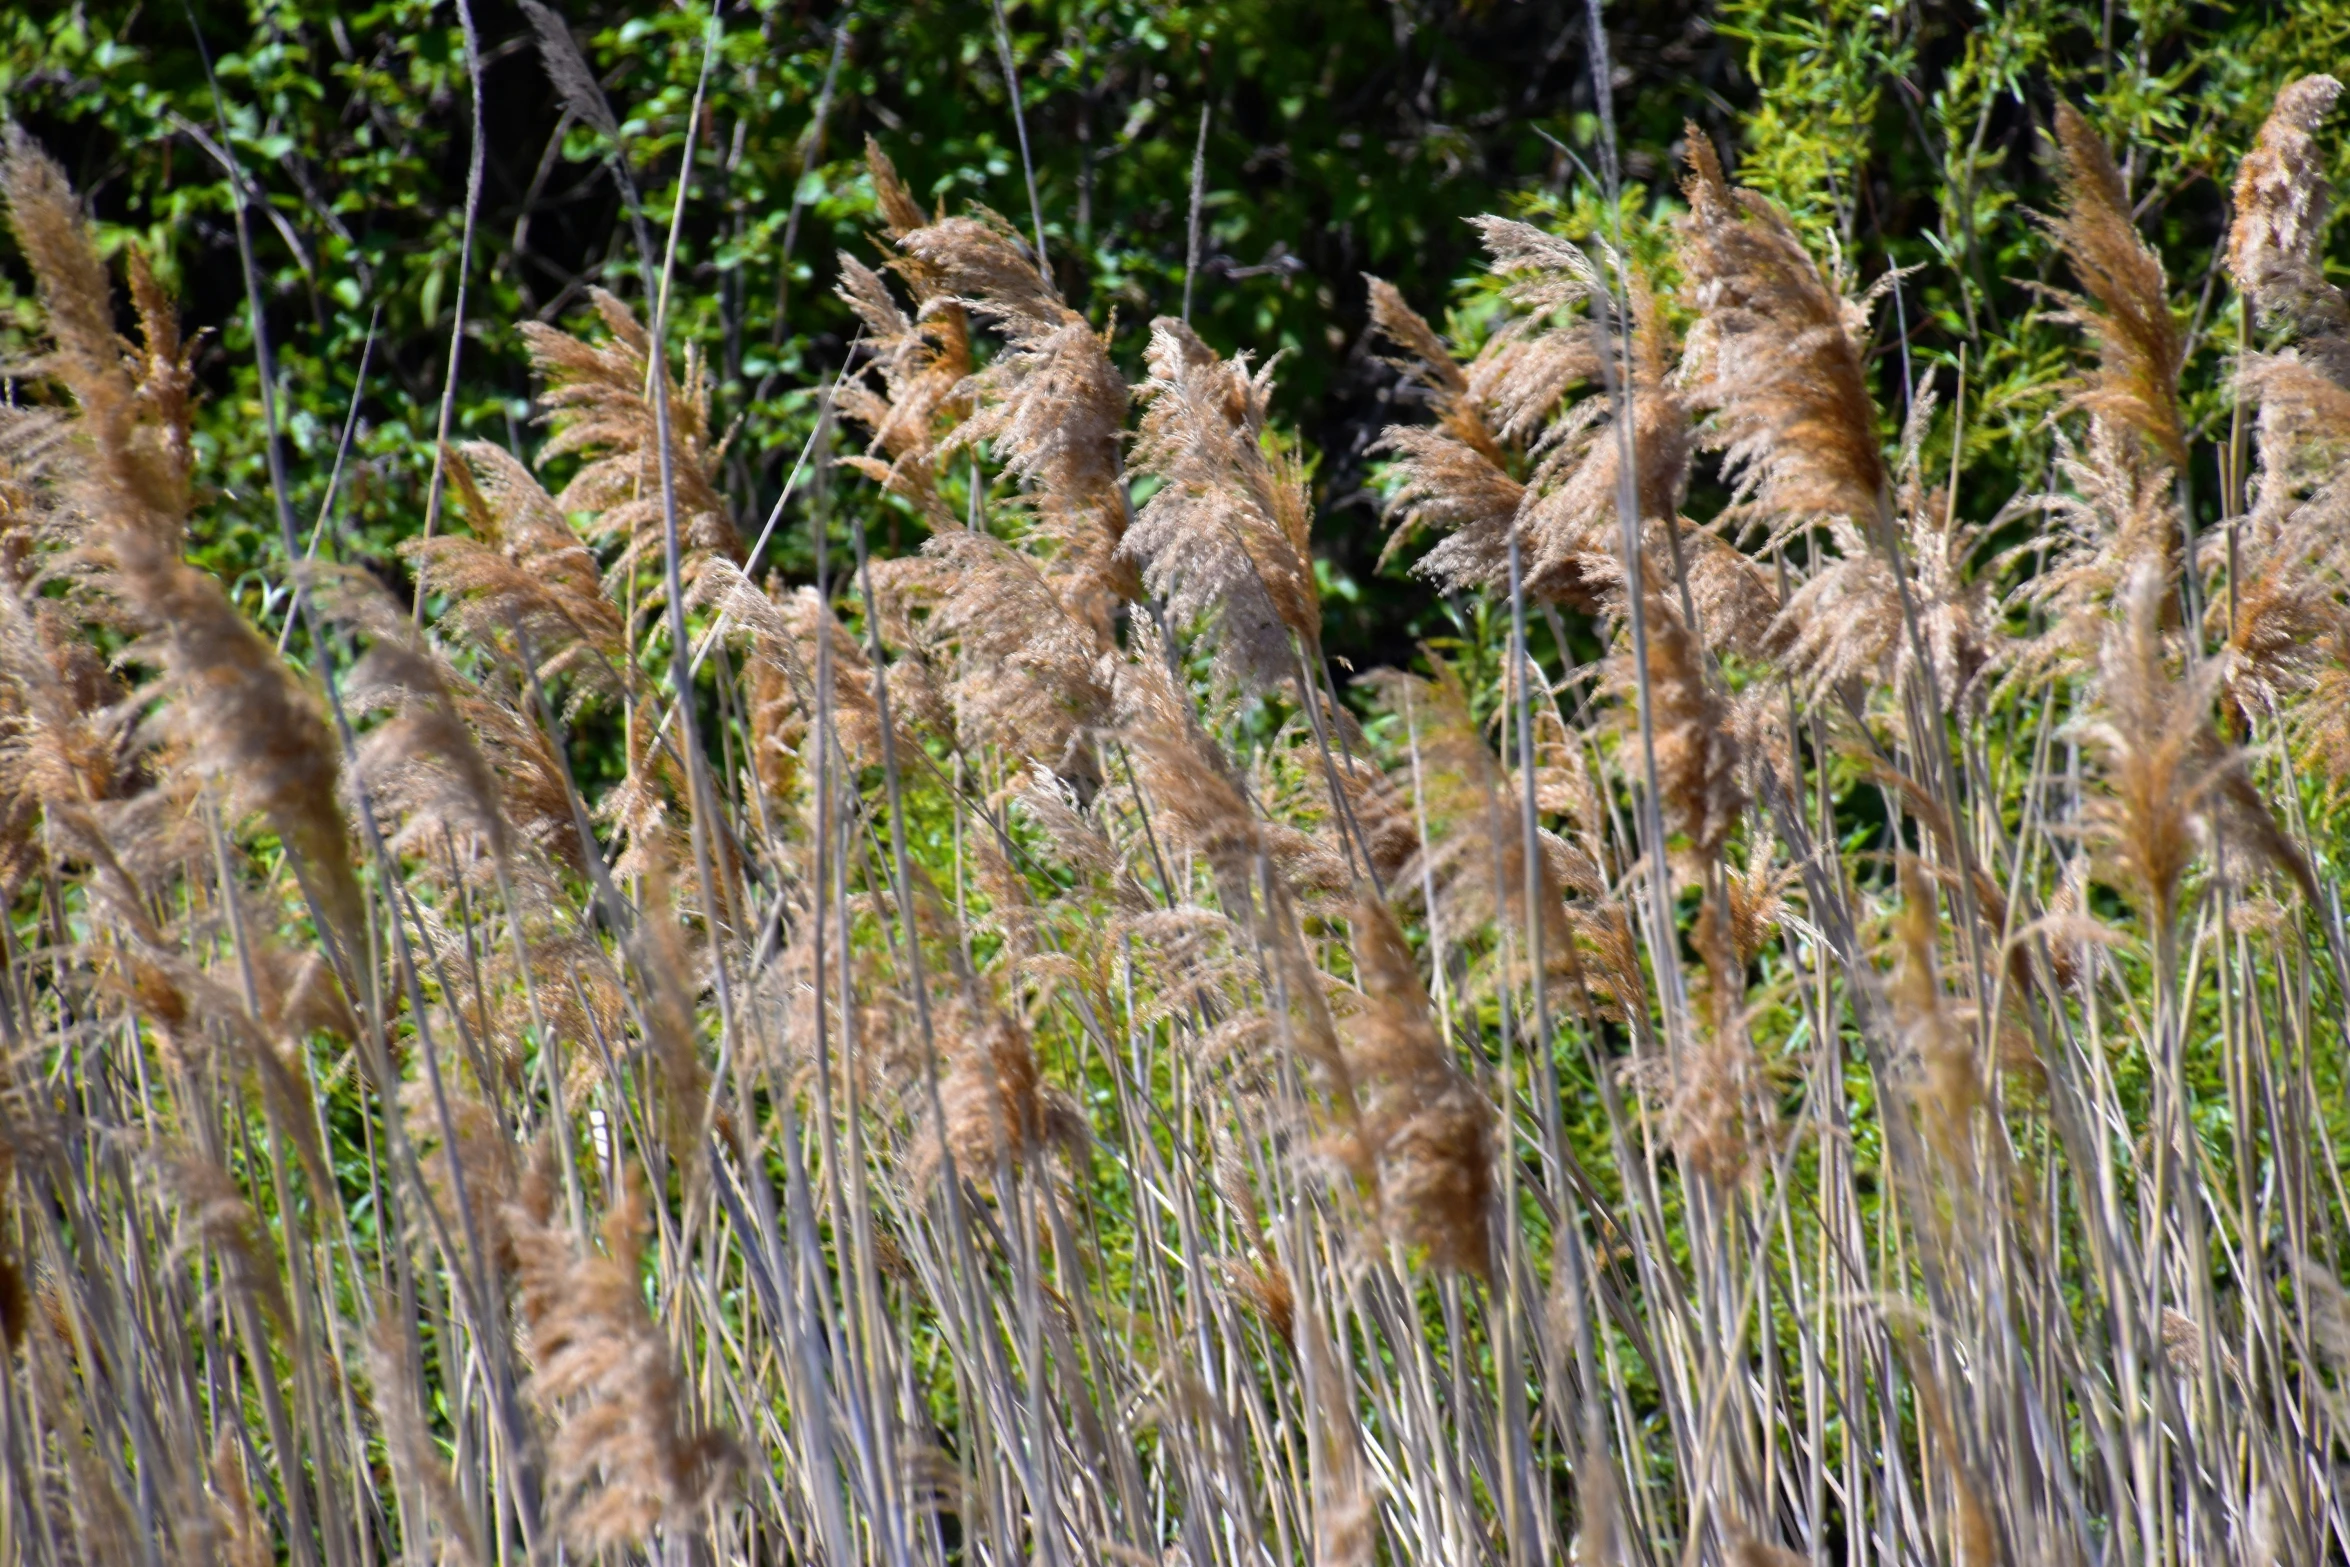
1025	1066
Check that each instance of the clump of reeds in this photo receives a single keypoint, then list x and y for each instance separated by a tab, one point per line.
1060	1082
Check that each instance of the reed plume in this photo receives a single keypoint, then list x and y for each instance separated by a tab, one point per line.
921	370
1531	365
2108	516
1429	1132
598	405
522	578
233	710
1775	357
1346	1518
2285	563
1469	862
1696	754
1194	793
1001	1113
1947	1091
1511	408
131	403
1454	478
786	630
421	760
1050	407
1029	676
408	1440
1570	516
2171	783
1224	537
215	1209
1844	624
2282	202
627	1454
2125	306
923	361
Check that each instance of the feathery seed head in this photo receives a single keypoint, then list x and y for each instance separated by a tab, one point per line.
2281	207
627	1453
1225	535
2126	304
1428	1129
1776	356
598	406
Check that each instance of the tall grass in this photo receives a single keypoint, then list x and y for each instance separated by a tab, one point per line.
1023	1067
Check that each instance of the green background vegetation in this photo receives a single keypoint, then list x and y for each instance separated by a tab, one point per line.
1342	139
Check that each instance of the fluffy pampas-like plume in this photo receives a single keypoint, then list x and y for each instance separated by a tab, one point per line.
627	1454
1453	478
2281	205
923	361
598	404
522	574
2126	306
1051	407
1028	677
2170	783
1844	623
1696	752
234	710
1776	356
1000	1110
1224	537
1426	1128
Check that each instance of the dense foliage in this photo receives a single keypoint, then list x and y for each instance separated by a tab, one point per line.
1340	140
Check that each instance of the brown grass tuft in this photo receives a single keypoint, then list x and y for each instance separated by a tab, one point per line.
1224	538
1473	856
1000	1111
1570	517
628	1454
215	1208
522	575
2281	207
597	401
1430	1132
408	1440
1050	407
2169	781
2110	517
1843	627
1029	677
1696	754
234	711
2126	306
1775	356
